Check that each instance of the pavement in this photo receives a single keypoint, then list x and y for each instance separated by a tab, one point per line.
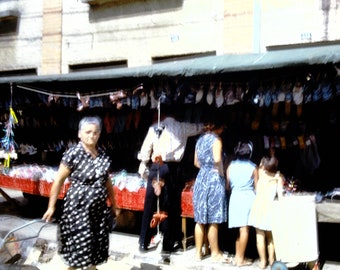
40	252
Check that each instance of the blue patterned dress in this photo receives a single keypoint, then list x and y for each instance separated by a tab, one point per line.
209	195
83	228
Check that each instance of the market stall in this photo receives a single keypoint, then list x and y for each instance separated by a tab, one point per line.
292	109
129	190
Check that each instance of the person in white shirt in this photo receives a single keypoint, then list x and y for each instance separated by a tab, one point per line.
164	147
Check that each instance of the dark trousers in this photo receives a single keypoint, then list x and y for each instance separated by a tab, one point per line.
173	229
169	201
150	203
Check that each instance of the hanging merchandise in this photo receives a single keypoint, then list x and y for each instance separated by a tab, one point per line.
8	144
159	216
83	102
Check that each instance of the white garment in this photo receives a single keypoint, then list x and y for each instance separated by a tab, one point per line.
171	143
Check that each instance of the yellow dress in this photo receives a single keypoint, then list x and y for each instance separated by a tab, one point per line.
266	191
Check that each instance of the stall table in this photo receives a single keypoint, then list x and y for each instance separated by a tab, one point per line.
125	199
327	211
134	201
35	187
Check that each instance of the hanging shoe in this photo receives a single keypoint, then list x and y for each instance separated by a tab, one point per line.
158	218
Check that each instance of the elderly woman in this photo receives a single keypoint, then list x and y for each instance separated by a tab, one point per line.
83	228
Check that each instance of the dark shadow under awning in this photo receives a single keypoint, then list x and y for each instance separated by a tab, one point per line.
208	65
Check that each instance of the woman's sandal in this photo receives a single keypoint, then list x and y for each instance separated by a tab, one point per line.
246	262
206	253
261	266
221	259
199	257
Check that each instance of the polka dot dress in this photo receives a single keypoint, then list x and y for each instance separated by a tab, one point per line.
83	228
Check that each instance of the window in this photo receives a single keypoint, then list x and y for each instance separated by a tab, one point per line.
97	2
9	21
96	66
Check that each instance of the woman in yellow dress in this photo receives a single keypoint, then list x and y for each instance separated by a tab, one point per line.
268	187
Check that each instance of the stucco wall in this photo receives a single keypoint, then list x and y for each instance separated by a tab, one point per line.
141	30
54	34
303	21
22	49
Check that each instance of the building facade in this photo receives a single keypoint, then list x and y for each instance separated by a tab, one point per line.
46	37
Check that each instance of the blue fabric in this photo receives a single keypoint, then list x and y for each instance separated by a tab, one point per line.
135	102
242	192
209	196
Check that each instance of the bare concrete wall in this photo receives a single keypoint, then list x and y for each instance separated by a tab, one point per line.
54	34
303	21
141	30
22	49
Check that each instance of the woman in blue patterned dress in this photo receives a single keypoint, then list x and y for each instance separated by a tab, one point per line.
83	228
209	194
242	175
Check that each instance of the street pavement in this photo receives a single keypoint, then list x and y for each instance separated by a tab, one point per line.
41	252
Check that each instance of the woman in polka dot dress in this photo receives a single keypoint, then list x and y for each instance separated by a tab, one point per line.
83	228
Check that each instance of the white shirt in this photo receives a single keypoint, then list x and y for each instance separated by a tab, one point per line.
171	143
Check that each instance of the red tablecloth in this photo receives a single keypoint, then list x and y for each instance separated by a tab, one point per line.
187	206
135	200
125	199
36	187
